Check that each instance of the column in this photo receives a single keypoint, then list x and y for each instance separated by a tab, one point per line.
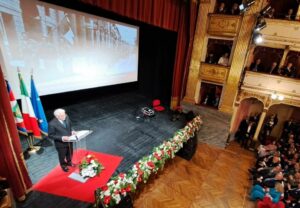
259	125
239	57
235	109
206	6
285	53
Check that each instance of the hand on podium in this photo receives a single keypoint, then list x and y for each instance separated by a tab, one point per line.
65	138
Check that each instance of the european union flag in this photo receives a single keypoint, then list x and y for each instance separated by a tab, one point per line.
38	109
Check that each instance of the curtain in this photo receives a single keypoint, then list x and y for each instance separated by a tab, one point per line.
12	164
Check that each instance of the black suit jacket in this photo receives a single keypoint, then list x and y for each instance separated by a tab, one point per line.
56	131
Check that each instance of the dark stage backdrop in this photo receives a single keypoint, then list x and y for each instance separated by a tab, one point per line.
157	49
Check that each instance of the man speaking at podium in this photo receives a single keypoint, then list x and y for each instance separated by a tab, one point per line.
60	129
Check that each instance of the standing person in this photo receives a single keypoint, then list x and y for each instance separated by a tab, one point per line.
60	129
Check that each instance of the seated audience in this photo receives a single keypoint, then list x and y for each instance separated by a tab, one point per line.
224	60
256	66
276	175
258	192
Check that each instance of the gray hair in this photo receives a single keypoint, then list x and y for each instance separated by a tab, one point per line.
58	111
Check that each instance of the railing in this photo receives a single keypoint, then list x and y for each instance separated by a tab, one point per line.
224	25
269	84
213	72
283	32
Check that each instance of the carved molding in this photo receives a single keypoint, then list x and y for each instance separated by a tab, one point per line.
282	32
223	25
214	73
265	99
267	84
242	95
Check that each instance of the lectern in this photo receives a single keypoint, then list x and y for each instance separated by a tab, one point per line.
79	141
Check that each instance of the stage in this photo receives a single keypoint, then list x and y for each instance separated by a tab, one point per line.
118	129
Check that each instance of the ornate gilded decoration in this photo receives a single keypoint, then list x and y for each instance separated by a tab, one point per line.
282	32
214	73
270	83
223	25
248	94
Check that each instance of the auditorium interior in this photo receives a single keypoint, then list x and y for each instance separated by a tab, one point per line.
223	73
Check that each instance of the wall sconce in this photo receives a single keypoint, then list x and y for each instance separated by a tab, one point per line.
257	38
275	96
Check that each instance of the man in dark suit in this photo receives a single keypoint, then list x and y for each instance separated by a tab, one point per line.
257	66
60	129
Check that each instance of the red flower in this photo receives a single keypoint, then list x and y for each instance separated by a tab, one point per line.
140	172
117	192
128	189
107	199
115	182
157	156
123	191
104	188
139	179
137	164
151	164
121	175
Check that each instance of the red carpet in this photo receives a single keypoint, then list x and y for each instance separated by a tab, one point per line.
58	183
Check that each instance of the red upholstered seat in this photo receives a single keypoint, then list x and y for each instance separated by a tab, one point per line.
156	105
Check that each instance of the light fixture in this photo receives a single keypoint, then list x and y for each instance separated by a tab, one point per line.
280	97
275	96
260	24
246	5
265	10
257	38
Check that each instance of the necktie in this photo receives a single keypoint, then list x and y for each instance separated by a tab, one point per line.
64	123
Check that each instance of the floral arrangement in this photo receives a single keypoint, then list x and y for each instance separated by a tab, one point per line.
90	166
124	183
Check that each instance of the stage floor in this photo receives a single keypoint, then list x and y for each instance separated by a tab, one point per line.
118	129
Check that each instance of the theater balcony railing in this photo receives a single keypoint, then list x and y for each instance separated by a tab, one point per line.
282	32
266	84
213	73
224	25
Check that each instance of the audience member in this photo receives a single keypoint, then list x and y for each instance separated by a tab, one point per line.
221	9
210	59
271	13
235	9
224	60
289	70
274	69
289	15
256	66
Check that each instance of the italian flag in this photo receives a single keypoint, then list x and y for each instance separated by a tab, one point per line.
16	111
29	117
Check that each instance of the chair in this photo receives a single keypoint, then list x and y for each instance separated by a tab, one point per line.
156	105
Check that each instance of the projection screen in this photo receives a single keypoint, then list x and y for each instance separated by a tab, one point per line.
64	50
